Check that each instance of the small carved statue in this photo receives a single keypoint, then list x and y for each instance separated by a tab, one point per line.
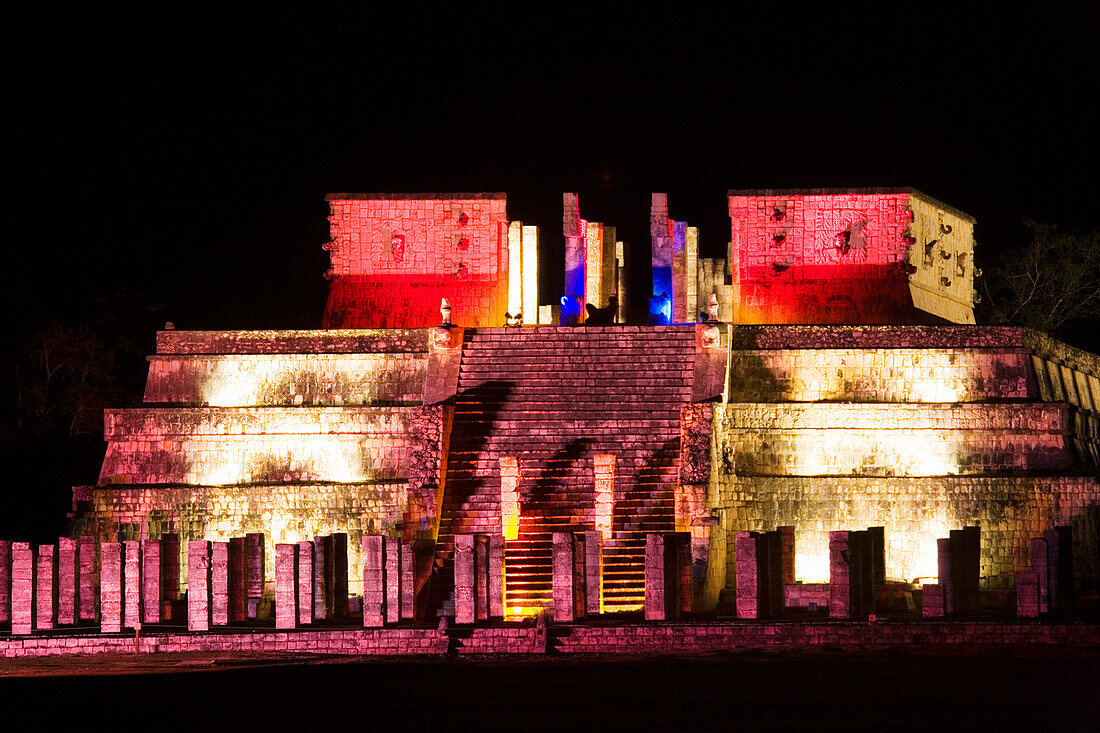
445	311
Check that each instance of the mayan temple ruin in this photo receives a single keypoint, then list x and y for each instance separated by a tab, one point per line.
812	424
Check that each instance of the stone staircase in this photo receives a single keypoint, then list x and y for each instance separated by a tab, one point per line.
554	398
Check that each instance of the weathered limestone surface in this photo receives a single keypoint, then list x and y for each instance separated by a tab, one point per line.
67	581
45	588
219	583
374	580
286	586
198	585
5	581
465	579
89	580
22	588
131	580
110	587
565	591
151	570
305	583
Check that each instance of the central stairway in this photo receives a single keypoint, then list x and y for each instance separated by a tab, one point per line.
554	398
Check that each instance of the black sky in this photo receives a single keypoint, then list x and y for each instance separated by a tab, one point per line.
184	155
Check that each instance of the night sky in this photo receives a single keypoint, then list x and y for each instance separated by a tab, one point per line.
184	157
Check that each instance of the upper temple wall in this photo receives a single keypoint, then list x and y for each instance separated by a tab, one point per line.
857	256
395	256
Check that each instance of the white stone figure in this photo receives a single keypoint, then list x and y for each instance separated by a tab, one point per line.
445	311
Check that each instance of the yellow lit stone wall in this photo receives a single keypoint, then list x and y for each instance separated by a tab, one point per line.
223	446
238	380
882	439
914	511
878	375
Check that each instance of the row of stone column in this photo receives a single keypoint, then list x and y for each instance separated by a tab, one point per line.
120	584
225	581
577	575
479	577
1049	586
958	561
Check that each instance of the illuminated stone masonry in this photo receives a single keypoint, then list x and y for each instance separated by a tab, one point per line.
918	429
424	432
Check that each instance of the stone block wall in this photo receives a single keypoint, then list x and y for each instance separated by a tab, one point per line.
394	256
856	256
914	511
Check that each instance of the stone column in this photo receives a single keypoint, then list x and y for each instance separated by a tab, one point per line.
374	580
219	583
1061	592
1037	549
286	586
747	575
481	570
573	228
465	579
593	572
131	584
840	592
198	585
680	274
661	243
340	576
932	600
322	572
110	587
509	496
1027	595
965	569
45	588
150	581
255	569
786	541
943	565
654	576
89	580
305	582
408	580
238	579
169	573
563	577
22	588
495	572
393	581
877	537
580	604
5	581
67	581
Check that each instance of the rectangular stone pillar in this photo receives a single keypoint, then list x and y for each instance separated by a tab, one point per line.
322	574
169	574
580	604
604	511
593	572
238	579
305	582
408	581
340	576
150	581
786	542
254	566
22	588
747	575
654	577
374	579
574	230
840	592
965	569
1061	592
943	567
67	581
932	600
219	583
45	588
131	584
110	587
286	586
88	595
509	496
496	576
661	248
680	314
1037	549
1027	595
481	569
564	592
393	581
877	538
465	579
5	581
198	585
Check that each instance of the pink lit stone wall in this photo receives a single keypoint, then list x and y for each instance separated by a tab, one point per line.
394	256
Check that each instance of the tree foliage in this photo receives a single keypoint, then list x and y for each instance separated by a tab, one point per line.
1053	282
